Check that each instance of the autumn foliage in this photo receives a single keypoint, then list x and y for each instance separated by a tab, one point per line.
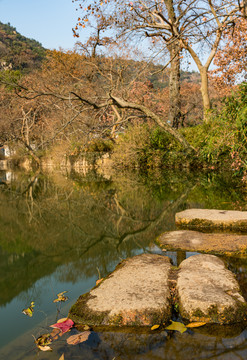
85	100
231	59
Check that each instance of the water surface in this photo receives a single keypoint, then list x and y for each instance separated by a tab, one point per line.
63	231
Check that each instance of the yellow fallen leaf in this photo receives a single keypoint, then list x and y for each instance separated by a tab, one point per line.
29	310
195	324
61	297
155	327
177	326
61	320
61	357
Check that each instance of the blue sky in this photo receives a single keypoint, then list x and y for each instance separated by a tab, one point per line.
47	21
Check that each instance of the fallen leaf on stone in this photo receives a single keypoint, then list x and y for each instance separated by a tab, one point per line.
29	310
155	327
78	338
195	324
61	357
99	281
61	297
64	326
45	348
177	326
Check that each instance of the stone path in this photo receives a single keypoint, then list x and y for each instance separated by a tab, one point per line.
197	241
210	218
136	293
207	291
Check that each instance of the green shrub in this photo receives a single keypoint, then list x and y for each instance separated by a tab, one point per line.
147	146
223	140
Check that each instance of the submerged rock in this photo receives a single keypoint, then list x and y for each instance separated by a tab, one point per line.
211	218
136	293
208	292
197	241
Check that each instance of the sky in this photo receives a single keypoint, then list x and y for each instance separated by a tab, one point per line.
48	21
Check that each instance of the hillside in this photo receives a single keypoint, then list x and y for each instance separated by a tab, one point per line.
18	52
160	79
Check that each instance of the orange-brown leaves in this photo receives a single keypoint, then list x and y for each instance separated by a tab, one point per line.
231	59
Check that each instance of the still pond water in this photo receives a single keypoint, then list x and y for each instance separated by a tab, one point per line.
63	231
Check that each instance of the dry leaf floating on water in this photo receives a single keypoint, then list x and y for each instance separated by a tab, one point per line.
195	324
177	326
45	348
62	320
64	326
29	310
43	341
78	338
61	297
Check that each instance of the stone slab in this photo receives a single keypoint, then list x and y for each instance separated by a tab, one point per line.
196	241
208	292
211	218
135	294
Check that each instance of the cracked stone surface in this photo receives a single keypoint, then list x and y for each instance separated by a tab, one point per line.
211	218
197	241
209	292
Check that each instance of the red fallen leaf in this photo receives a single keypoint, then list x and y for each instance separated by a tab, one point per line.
63	326
99	281
78	338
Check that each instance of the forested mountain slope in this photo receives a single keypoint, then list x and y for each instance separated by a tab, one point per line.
17	51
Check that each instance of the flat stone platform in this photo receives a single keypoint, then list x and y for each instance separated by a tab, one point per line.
208	292
211	218
196	241
135	294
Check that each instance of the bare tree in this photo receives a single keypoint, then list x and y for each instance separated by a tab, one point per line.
192	25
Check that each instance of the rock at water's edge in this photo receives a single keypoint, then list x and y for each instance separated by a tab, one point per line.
135	294
208	292
196	241
211	218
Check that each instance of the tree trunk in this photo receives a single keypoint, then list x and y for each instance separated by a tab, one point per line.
205	92
174	81
174	86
